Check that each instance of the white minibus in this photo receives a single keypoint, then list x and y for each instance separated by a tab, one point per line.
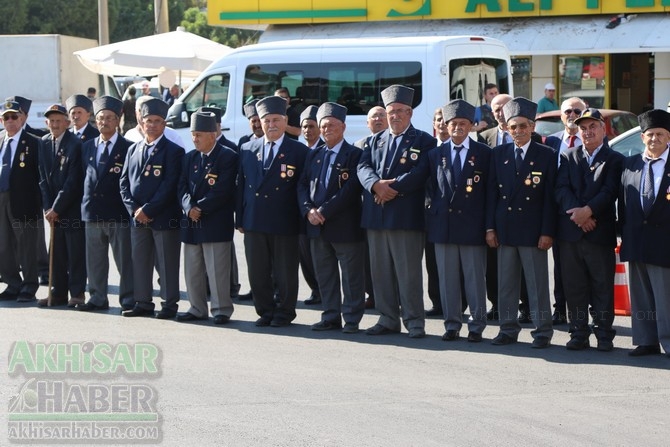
352	72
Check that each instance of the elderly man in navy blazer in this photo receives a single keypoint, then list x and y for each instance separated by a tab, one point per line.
457	172
102	208
394	216
207	193
149	190
521	222
19	206
330	199
644	211
61	182
79	108
268	214
586	191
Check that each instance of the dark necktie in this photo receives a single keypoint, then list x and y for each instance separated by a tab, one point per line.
147	152
6	166
390	154
320	195
456	167
519	159
102	163
268	160
203	162
571	140
648	194
54	147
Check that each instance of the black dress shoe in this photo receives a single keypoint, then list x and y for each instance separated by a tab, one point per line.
263	321
280	322
451	335
138	312
577	344
503	339
540	342
8	296
221	319
245	297
434	312
166	314
605	345
558	318
90	307
312	300
492	315
378	329
645	350
474	337
326	326
26	297
186	317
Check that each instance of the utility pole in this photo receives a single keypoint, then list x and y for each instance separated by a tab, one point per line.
103	38
161	16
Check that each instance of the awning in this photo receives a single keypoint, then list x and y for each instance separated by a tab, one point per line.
644	33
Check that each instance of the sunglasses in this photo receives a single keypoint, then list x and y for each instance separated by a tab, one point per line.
10	117
569	111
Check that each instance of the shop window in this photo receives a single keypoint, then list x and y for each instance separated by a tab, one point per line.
521	70
584	77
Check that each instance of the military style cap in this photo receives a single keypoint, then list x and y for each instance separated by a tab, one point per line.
10	106
653	119
55	108
24	103
520	106
108	103
458	108
309	114
155	106
215	110
593	114
79	101
271	105
203	122
250	109
398	93
331	109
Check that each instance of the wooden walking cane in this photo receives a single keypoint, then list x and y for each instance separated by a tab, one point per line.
51	261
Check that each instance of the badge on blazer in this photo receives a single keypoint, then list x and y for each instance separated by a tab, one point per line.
259	156
468	189
476	178
345	176
282	175
526	182
211	181
157	172
115	170
414	154
290	170
536	180
472	161
531	163
403	160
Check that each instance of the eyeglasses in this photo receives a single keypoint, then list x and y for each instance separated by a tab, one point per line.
10	116
569	111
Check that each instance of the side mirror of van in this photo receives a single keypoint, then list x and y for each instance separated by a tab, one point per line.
177	116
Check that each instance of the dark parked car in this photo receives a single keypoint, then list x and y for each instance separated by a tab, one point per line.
616	122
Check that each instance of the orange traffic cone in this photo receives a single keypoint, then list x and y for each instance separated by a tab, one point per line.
621	294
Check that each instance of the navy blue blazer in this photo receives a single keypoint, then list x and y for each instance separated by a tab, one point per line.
268	203
102	200
406	210
597	186
61	179
153	185
644	238
24	182
226	142
89	133
342	208
212	189
456	212
521	208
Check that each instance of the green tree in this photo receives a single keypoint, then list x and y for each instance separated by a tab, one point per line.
14	15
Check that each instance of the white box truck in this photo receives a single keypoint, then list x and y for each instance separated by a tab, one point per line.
350	71
42	68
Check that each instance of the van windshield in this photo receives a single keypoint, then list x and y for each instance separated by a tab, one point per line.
355	85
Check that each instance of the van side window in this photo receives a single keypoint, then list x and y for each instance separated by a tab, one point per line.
213	92
355	85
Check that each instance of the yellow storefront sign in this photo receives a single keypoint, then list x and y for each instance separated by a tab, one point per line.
227	12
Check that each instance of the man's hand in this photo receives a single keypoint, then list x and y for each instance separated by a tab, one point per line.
580	215
545	242
383	191
194	214
51	216
492	239
590	225
141	217
315	217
